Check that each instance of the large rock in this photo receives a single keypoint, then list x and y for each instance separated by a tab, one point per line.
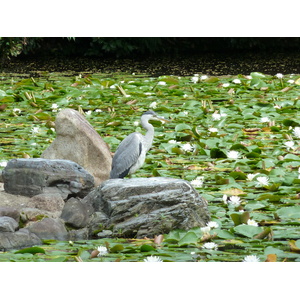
13	201
49	229
30	177
19	239
48	202
142	207
10	212
75	213
77	140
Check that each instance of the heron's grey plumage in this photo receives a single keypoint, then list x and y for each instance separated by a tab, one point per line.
131	153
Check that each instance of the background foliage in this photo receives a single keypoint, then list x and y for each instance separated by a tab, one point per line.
128	46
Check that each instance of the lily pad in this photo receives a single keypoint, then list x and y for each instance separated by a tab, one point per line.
289	212
247	230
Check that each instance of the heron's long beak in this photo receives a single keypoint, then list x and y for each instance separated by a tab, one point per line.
162	119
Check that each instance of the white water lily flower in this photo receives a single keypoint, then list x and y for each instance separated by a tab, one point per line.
233	154
236	81
279	75
17	110
173	142
54	107
152	259
216	117
98	110
212	224
225	197
102	251
212	129
265	119
210	246
195	79
252	223
234	201
290	145
187	147
296	132
88	113
35	130
291	81
225	84
3	164
203	77
153	105
198	182
161	83
205	229
262	181
251	258
250	177
136	123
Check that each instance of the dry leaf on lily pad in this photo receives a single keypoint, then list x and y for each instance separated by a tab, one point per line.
294	247
271	258
233	192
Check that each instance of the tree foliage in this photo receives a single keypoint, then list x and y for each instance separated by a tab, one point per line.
130	46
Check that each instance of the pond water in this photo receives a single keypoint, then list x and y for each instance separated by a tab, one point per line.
236	138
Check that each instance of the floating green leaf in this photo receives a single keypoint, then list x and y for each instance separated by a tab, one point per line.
116	248
182	127
147	248
247	230
217	153
188	239
289	212
32	250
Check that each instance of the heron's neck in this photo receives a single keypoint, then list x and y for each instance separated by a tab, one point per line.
149	134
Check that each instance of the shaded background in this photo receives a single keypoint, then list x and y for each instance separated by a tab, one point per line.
152	55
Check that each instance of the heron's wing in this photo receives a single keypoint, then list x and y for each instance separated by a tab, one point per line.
126	155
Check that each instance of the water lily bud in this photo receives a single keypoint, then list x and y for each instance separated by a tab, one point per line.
94	253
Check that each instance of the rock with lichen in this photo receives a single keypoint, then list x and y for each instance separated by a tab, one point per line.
140	207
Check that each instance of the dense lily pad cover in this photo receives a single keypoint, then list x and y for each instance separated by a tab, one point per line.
235	138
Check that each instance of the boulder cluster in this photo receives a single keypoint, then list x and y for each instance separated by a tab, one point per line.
66	194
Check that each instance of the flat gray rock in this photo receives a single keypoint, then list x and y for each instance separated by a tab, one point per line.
8	224
19	239
78	141
49	229
140	207
33	176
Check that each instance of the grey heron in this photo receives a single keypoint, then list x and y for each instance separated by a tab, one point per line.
131	153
